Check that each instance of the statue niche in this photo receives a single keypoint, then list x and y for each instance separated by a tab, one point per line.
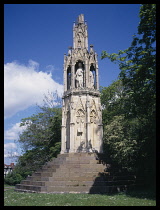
79	75
92	77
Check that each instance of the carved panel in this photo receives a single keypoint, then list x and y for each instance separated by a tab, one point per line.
93	117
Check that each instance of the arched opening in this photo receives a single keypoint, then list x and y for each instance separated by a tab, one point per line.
68	77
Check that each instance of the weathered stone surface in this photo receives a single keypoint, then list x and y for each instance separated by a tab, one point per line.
81	112
72	175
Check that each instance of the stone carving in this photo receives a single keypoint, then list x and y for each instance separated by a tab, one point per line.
89	148
80	121
79	76
91	79
81	147
80	18
82	129
93	116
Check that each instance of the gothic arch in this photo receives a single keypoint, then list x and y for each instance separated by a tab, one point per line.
68	77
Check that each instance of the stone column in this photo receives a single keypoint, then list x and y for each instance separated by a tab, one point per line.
97	73
65	73
72	125
88	136
86	37
74	35
100	127
72	76
63	130
87	70
63	141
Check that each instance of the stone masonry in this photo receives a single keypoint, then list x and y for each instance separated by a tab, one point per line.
75	173
68	173
82	128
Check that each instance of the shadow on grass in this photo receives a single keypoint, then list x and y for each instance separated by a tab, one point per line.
113	182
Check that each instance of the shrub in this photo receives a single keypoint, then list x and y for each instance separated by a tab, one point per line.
13	178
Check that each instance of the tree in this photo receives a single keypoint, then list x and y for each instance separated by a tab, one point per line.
112	99
120	129
120	142
41	139
138	76
138	64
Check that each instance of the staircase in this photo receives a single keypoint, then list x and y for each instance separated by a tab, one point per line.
74	173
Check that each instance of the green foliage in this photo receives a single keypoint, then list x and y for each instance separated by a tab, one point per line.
40	141
119	142
112	99
137	104
13	178
43	129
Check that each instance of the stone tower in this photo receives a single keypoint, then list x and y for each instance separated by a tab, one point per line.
81	112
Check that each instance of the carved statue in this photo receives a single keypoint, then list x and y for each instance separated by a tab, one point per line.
79	76
91	79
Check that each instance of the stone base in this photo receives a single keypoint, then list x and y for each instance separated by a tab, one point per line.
72	173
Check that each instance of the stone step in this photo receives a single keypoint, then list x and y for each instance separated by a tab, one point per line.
38	178
46	170
78	173
54	166
34	178
31	188
36	183
73	171
77	183
43	174
88	177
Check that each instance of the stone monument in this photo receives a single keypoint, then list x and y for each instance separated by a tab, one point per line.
81	167
81	112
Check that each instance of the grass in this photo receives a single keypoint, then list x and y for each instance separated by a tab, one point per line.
12	198
6	186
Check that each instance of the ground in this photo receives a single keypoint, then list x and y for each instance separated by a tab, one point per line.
12	198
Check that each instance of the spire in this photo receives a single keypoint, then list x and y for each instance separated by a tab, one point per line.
80	19
80	34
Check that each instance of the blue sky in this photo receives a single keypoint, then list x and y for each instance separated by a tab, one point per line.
36	36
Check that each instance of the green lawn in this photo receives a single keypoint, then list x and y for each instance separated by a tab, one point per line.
12	198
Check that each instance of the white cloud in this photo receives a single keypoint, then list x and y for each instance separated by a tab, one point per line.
9	149
10	146
13	132
25	85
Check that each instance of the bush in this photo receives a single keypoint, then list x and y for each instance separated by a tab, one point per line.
13	178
